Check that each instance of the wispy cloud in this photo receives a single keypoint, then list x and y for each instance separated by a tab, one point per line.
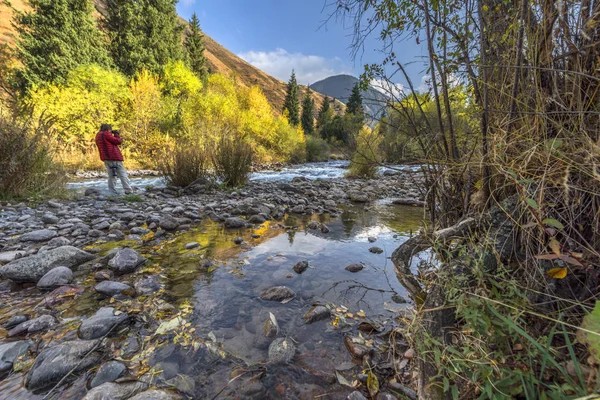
309	68
188	3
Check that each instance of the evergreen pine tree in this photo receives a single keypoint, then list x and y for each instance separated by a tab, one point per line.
194	45
325	113
292	103
144	34
354	105
55	37
308	110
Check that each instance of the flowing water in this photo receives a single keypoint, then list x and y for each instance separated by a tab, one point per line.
224	308
315	170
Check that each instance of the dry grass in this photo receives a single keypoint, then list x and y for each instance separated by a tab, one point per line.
232	161
185	164
27	168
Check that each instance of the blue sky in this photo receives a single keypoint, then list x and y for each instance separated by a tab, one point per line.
278	35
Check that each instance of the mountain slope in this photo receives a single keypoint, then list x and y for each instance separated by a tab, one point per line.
340	87
220	60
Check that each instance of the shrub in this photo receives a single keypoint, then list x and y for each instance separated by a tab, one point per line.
365	161
232	161
317	149
26	166
184	164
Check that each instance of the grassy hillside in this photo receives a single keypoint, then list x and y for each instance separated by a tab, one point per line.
220	59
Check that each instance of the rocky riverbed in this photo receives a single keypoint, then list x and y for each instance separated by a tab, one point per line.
199	292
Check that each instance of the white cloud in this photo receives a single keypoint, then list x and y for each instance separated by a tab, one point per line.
390	89
188	3
309	68
426	85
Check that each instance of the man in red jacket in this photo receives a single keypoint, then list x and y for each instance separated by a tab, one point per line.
108	142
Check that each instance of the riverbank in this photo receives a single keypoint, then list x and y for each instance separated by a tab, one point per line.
127	294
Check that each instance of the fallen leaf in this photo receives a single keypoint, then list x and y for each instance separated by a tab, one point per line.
554	246
558	273
372	384
170	325
342	380
361	314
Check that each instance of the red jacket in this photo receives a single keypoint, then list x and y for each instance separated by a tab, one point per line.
108	145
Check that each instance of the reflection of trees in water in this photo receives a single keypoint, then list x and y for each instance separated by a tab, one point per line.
291	235
348	220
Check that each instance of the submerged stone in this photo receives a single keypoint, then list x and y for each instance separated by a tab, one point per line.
102	323
300	267
108	372
278	293
281	350
354	267
317	313
126	261
116	391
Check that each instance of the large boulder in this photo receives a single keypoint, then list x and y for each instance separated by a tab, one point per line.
43	235
33	268
168	223
235	223
33	325
108	372
67	359
126	261
147	286
54	278
101	323
116	391
112	288
9	352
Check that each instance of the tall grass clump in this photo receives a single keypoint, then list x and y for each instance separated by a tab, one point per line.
185	163
317	149
27	168
366	159
232	161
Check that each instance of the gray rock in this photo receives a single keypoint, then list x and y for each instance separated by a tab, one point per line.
33	268
356	395
126	261
104	275
385	396
271	326
313	225
92	192
235	223
298	209
281	350
58	242
238	240
278	293
100	226
168	223
101	323
54	204
50	219
317	313
376	250
359	197
257	219
372	239
112	288
33	325
108	372
324	228
192	245
8	256
300	267
9	352
54	278
116	391
147	286
68	359
355	267
42	235
14	321
155	395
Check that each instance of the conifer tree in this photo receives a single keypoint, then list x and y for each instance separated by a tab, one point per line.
55	37
325	113
194	46
308	110
144	34
354	105
292	103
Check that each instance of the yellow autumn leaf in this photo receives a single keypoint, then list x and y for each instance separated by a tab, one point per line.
558	273
554	246
336	321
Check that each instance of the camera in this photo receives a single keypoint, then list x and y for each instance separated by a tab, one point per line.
116	133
